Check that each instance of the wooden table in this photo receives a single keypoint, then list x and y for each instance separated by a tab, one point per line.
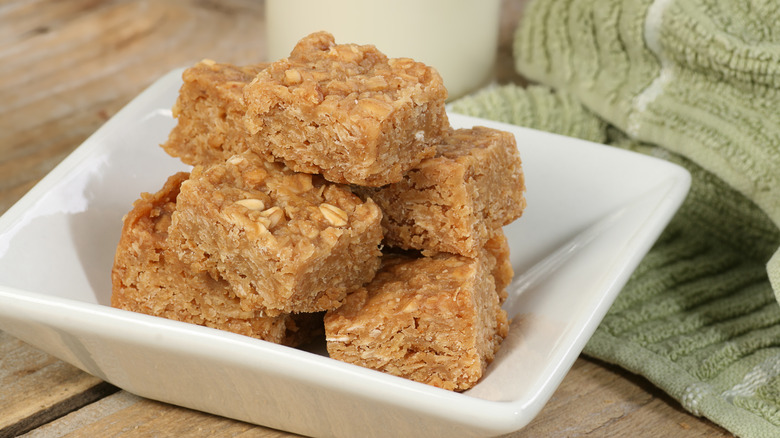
68	66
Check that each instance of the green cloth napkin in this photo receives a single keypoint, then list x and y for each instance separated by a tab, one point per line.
695	82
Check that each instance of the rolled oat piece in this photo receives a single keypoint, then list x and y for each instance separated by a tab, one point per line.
148	277
346	111
456	201
285	241
435	320
209	113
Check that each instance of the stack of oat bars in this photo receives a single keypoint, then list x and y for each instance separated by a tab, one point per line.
330	183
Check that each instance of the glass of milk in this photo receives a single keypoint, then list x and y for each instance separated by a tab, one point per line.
457	37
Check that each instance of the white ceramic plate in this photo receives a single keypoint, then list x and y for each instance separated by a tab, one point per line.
593	212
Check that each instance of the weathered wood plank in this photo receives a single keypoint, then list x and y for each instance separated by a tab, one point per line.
36	388
596	399
123	414
67	70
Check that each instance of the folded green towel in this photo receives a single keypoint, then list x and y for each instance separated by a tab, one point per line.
698	77
695	82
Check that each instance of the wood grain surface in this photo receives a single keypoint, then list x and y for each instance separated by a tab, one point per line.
65	68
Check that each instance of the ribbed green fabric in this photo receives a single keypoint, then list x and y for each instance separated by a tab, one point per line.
698	77
536	107
698	317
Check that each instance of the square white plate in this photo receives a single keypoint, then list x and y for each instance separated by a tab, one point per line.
593	212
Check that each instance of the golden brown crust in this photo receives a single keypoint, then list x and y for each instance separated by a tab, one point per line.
209	112
346	111
456	201
435	320
497	248
148	278
286	241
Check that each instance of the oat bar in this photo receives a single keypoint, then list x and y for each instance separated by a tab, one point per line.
435	320
346	111
286	241
210	112
497	248
148	278
455	201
